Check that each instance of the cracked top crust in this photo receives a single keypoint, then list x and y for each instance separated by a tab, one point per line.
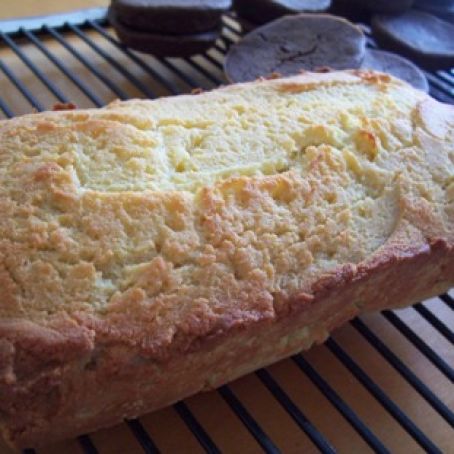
159	222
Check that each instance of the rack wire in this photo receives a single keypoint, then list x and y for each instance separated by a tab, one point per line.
92	67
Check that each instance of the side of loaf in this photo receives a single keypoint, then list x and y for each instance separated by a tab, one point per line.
150	250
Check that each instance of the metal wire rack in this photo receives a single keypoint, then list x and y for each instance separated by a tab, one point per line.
383	383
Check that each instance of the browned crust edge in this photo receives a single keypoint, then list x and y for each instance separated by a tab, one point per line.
60	382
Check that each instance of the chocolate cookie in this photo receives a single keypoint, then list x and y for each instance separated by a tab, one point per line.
175	17
163	45
378	6
395	65
444	9
261	11
422	37
293	43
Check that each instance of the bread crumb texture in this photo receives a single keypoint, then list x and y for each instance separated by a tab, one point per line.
151	221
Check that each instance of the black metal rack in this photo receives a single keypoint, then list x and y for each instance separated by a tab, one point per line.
151	77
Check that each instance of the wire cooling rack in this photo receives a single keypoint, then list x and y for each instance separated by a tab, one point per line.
383	383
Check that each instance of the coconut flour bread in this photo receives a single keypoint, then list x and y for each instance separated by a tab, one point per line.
153	249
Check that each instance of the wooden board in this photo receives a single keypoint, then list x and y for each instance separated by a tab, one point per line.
21	8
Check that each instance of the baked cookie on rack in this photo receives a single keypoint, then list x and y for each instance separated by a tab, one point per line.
168	27
377	6
292	43
426	39
176	17
388	62
262	11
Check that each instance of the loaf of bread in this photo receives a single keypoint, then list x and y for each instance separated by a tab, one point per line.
150	250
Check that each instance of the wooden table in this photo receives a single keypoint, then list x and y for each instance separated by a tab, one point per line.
20	8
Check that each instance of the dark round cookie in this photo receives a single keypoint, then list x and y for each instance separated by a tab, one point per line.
444	9
163	45
434	4
420	36
261	11
378	6
395	65
293	43
175	17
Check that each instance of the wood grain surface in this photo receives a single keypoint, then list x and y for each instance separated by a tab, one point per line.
21	8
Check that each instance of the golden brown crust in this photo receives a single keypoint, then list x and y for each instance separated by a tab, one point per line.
113	368
123	261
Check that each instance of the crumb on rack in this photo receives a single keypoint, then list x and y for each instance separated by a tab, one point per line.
64	106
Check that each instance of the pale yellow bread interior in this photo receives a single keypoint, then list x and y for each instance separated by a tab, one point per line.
183	211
